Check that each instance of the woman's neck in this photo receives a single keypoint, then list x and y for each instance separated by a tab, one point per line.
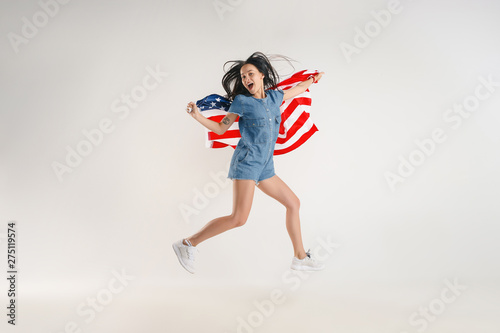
260	94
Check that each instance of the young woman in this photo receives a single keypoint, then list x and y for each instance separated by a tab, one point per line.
246	84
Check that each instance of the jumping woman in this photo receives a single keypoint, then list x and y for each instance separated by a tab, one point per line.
247	85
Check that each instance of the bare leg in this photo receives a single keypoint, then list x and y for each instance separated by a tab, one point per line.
277	189
243	191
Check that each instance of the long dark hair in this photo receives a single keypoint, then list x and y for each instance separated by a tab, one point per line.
232	79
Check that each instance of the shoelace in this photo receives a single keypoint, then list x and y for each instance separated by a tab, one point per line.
308	256
191	252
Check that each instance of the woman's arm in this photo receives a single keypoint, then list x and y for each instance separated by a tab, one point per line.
301	87
218	128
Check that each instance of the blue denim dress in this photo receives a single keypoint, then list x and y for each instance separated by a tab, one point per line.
259	125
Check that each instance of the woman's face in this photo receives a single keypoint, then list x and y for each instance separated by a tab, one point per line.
252	79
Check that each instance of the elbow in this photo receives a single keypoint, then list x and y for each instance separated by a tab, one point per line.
220	131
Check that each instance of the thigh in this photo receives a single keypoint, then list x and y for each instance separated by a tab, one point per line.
243	191
279	190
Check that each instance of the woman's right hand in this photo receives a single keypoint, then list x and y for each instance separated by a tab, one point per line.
193	110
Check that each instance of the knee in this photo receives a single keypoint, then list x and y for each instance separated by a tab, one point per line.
238	221
293	204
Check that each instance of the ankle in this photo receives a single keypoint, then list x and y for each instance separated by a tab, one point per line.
300	255
187	242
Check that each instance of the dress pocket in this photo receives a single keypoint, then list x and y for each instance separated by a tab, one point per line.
242	154
254	122
255	130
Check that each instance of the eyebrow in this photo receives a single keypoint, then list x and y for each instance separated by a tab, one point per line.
250	70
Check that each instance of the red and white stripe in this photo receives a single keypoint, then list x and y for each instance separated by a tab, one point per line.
296	124
229	138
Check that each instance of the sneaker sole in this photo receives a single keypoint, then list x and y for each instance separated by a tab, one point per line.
178	254
307	269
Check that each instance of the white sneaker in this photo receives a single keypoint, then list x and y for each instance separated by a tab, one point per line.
306	264
186	255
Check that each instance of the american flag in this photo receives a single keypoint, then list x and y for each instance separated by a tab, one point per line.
296	125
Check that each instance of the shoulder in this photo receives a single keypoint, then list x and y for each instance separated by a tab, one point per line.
237	105
238	98
276	95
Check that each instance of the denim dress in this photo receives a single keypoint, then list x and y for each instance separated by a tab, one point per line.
259	125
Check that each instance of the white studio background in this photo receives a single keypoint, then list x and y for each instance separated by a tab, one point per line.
94	241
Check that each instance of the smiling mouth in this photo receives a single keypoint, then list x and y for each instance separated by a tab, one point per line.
250	86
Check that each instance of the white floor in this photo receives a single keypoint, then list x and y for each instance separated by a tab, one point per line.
296	306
